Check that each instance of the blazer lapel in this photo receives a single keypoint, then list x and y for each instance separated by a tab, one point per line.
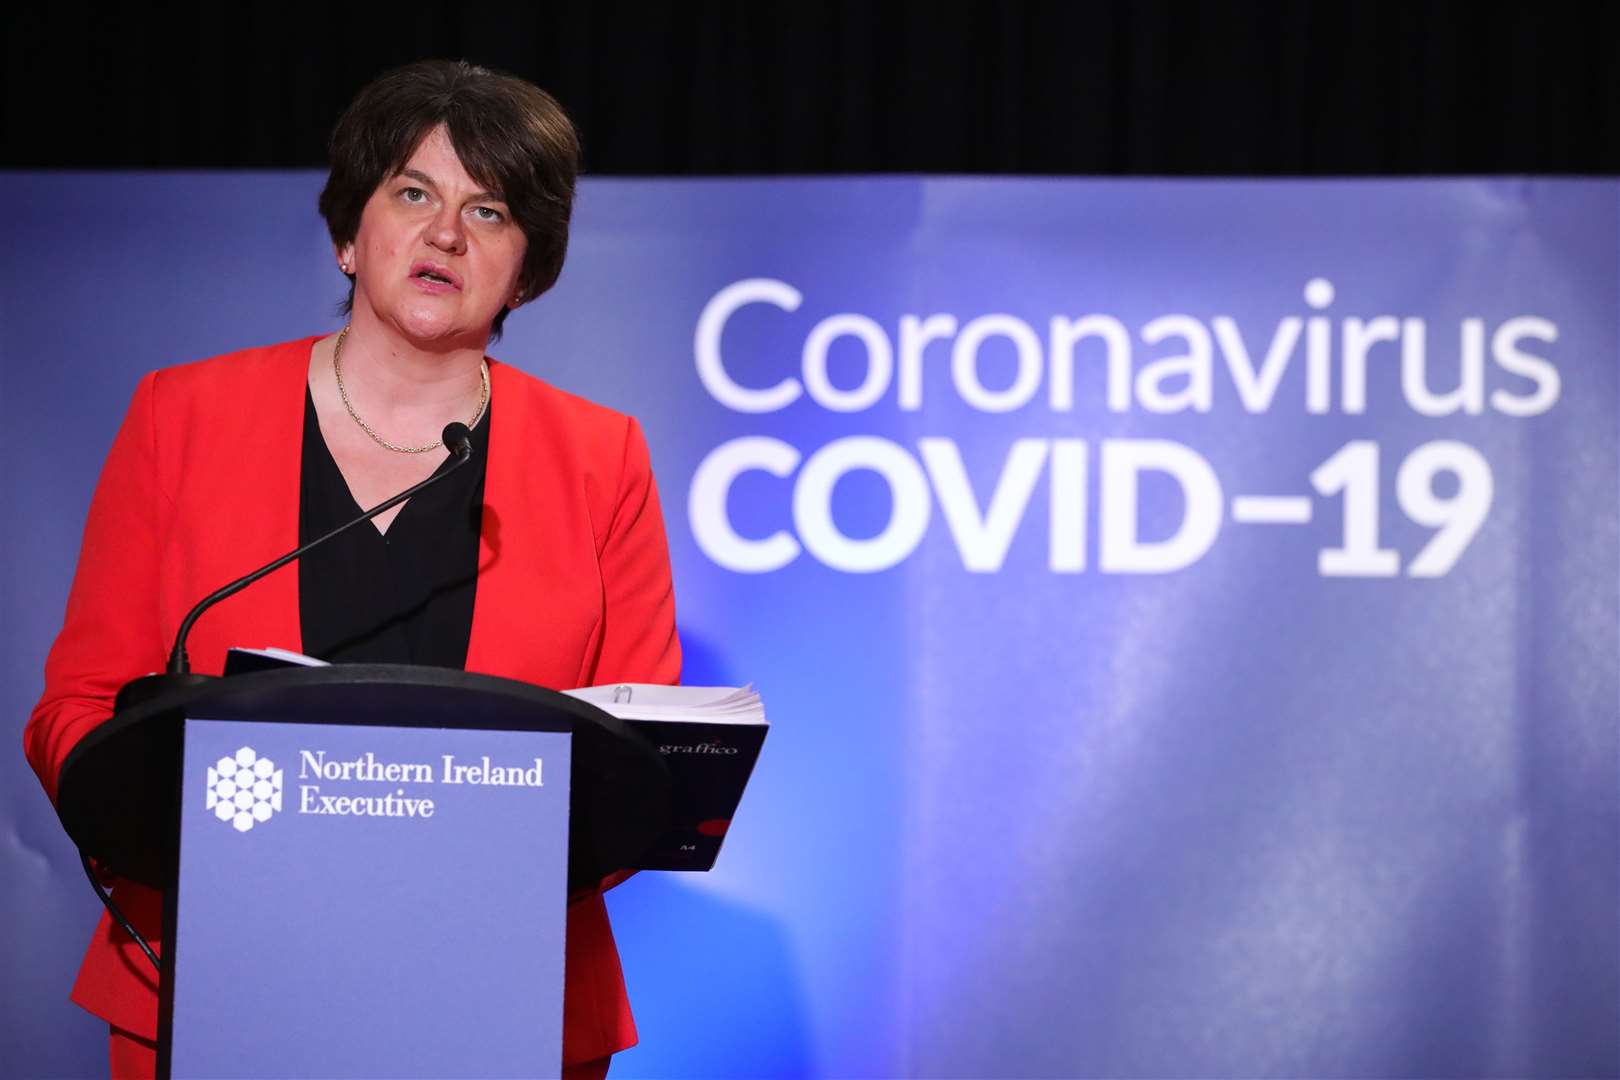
264	463
498	603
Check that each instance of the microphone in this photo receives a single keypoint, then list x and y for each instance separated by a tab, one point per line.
457	439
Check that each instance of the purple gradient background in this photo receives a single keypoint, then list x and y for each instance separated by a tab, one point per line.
1235	820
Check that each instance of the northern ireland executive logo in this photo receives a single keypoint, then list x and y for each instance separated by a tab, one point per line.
244	789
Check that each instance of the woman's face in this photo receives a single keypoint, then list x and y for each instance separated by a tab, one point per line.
436	255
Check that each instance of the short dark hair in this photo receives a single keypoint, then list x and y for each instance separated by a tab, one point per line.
511	136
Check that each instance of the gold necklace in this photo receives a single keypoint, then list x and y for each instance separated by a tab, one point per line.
337	371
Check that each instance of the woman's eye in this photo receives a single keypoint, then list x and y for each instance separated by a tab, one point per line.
413	195
485	213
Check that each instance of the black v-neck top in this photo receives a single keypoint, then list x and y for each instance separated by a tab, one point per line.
401	597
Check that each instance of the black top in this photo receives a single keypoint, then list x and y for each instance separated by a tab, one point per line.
404	597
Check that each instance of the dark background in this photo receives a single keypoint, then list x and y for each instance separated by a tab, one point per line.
1149	87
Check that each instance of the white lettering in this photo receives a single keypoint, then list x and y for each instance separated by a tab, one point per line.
914	338
965	363
1066	333
879	363
706	505
487	773
1121	551
1508	356
365	768
1256	389
1358	338
1195	364
706	345
983	540
1178	382
394	804
1066	552
812	504
1470	393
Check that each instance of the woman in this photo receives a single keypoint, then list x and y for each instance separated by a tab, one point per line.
544	560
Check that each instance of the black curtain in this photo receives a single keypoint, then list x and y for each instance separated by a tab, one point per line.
1144	87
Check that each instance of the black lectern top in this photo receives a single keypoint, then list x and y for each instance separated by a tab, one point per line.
118	795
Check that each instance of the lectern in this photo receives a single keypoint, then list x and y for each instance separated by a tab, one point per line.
365	867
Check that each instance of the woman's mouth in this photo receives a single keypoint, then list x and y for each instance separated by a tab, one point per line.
434	276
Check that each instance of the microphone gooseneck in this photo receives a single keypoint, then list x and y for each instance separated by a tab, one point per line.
457	439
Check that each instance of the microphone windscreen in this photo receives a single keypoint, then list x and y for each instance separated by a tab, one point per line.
458	438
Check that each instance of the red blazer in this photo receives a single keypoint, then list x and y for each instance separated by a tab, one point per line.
202	485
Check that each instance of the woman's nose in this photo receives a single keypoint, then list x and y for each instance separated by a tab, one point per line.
446	232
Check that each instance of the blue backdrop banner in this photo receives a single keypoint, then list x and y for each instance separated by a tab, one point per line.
1188	611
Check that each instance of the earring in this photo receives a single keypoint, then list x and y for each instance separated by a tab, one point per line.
343	267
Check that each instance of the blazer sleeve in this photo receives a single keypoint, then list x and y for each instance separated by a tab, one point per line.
111	632
638	642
